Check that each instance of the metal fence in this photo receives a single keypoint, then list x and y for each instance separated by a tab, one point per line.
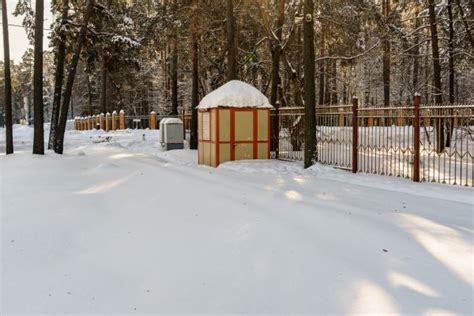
421	142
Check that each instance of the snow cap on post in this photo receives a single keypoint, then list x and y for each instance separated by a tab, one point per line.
235	94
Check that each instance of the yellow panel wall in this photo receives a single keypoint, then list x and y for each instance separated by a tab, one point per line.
224	153
224	125
262	151
243	126
206	149
213	124
213	155
199	125
262	123
243	151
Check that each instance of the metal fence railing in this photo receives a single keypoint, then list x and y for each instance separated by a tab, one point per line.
421	142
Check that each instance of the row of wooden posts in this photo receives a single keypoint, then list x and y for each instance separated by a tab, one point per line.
108	122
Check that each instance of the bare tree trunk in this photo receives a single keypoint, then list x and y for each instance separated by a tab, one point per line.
451	70
59	141
386	56
276	53
451	52
310	153
322	63
38	136
416	54
103	89
174	78
436	74
8	82
58	77
193	143
231	47
276	80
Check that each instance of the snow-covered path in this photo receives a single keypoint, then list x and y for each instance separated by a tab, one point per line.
122	228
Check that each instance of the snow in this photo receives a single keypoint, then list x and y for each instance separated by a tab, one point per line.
117	226
172	120
235	94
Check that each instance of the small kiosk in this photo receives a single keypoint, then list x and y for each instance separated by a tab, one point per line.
233	124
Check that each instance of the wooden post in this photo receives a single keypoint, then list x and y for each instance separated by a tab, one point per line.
122	119
84	126
107	121
341	117
416	138
370	121
399	118
89	122
101	123
152	124
114	120
75	123
355	134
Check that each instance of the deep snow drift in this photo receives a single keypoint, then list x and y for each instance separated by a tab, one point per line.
120	227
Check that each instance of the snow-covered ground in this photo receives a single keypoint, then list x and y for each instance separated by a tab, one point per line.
121	227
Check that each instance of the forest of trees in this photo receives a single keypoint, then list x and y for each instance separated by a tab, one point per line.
164	55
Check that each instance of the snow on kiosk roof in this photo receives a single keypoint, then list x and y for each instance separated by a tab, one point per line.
236	94
233	124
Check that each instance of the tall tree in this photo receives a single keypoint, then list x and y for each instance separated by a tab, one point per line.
174	77
193	144
310	153
451	51
59	141
386	55
231	47
416	50
8	82
38	136
59	74
438	91
276	47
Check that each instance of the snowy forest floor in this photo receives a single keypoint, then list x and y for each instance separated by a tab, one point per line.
121	227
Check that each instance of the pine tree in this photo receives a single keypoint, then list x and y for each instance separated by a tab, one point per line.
310	154
38	136
59	141
193	144
59	75
8	83
231	47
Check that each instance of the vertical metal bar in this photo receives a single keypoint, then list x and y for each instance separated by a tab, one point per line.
416	139
355	134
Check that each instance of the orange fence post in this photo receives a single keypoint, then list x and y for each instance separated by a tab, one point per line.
114	120
101	121
370	120
107	121
122	119
341	117
152	124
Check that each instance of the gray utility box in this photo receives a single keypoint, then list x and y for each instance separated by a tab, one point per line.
171	133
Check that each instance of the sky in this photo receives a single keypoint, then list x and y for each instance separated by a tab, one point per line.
18	41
